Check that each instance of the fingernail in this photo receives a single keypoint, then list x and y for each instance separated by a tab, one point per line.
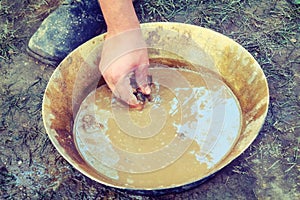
147	89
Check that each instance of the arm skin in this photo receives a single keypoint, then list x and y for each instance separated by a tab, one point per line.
124	50
119	16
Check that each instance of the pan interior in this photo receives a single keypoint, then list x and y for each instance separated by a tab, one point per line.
191	123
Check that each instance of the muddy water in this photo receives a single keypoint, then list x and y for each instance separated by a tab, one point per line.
188	127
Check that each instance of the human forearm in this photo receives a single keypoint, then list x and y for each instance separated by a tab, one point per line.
119	16
124	51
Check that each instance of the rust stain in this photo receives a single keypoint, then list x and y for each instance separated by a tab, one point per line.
60	95
235	66
68	145
172	62
260	111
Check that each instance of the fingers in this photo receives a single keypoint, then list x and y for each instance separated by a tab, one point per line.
119	45
117	77
124	91
141	75
121	55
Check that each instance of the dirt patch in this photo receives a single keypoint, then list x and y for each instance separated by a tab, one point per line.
31	168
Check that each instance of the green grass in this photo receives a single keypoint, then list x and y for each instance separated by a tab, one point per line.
269	30
11	32
7	33
8	41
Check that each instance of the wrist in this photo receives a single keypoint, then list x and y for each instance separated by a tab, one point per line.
121	44
117	30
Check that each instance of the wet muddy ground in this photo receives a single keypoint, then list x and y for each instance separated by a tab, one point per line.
31	168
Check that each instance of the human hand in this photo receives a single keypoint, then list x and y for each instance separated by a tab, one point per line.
124	55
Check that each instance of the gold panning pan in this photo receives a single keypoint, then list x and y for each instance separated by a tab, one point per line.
209	61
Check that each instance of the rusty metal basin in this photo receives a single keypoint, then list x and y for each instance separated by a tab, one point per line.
174	44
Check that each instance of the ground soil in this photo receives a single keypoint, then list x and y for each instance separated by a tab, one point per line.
30	166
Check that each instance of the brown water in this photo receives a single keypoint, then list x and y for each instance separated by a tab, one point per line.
189	126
